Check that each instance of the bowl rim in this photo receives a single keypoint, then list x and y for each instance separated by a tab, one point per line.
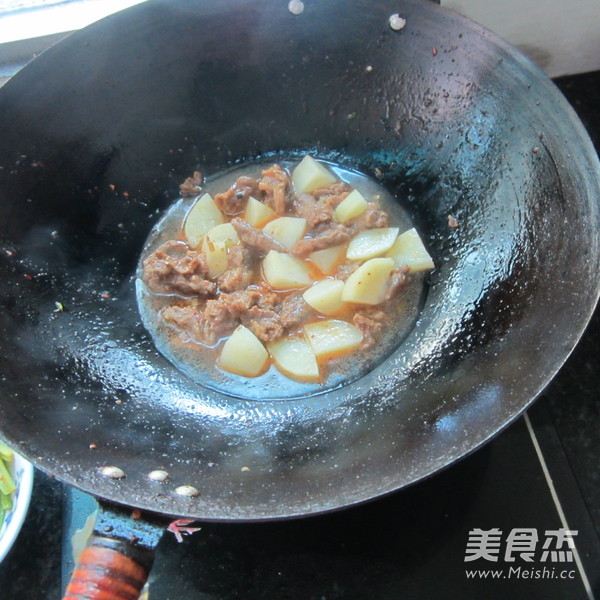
21	506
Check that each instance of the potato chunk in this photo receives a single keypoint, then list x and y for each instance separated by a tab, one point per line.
328	259
285	272
257	213
311	175
332	337
215	245
371	243
367	285
201	217
286	230
408	249
352	206
325	296
243	354
294	357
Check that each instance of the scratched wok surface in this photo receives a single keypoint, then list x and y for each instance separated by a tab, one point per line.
98	132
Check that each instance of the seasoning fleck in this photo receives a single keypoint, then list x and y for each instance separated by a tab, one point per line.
158	475
369	68
397	22
535	149
93	446
187	490
352	115
112	472
59	307
245	469
296	7
434	51
452	222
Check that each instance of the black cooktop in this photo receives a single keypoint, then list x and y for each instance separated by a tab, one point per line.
508	508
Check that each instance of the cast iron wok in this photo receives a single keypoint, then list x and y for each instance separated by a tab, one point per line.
98	132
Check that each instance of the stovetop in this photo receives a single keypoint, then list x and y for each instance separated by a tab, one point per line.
500	523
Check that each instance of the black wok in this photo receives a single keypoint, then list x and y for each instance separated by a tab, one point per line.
98	132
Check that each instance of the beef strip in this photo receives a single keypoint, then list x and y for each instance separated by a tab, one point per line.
344	271
240	269
234	200
295	311
176	269
372	218
370	321
192	185
264	323
207	326
314	212
325	236
274	186
331	195
398	280
255	237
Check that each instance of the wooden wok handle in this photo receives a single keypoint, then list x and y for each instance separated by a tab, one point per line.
117	559
106	571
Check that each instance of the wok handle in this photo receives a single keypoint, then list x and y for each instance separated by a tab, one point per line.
109	570
118	557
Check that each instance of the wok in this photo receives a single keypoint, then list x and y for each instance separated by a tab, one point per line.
98	132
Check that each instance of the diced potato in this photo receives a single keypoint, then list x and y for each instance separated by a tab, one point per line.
371	243
328	259
408	249
352	206
332	337
311	175
294	357
215	245
257	213
223	233
286	230
325	296
216	256
200	218
285	272
368	283
243	354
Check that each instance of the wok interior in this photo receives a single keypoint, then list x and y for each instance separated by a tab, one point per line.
94	155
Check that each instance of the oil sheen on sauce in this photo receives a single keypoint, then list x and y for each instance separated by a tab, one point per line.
199	363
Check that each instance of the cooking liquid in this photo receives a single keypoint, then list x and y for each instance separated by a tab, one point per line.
199	362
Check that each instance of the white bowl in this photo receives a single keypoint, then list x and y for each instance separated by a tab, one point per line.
22	472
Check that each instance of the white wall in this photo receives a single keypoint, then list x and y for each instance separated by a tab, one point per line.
561	36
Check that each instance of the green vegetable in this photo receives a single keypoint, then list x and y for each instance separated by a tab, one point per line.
7	485
5	452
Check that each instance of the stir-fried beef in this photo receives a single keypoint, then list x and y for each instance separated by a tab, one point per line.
207	326
176	269
398	280
264	323
325	237
294	311
274	186
372	218
344	271
370	321
240	271
234	200
313	211
192	185
255	237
